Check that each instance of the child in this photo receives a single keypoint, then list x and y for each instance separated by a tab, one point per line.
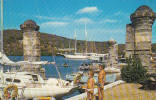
90	86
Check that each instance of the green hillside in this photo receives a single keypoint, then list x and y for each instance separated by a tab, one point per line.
50	44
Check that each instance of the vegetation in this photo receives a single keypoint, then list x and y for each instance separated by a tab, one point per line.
134	72
154	47
50	44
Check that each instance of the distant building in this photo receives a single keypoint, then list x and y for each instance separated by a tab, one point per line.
139	34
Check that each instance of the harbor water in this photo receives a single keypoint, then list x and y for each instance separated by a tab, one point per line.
50	70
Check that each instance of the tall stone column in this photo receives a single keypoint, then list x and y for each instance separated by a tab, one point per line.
129	40
113	53
31	45
142	21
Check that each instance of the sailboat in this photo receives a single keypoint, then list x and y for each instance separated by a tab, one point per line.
75	55
22	84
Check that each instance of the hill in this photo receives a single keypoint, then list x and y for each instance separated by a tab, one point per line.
50	44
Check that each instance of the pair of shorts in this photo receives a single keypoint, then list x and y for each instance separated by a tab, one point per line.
99	85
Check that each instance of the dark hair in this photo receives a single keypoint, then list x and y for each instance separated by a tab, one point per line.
91	72
102	65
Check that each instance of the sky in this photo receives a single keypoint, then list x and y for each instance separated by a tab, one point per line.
105	19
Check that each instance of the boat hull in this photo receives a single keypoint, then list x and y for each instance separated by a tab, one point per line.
46	92
56	92
79	57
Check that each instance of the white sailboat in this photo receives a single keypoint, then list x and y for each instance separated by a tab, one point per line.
75	55
32	85
27	84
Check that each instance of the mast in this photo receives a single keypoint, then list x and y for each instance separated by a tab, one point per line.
1	39
69	44
86	38
1	36
75	41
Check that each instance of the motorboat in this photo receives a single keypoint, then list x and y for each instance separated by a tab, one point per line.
109	77
112	70
84	66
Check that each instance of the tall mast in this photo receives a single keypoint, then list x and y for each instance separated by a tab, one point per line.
69	44
1	36
75	41
86	37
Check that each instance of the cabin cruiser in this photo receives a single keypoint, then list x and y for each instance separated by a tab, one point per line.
85	66
112	70
98	57
33	85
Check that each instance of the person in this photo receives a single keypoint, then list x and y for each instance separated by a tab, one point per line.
77	78
90	86
101	81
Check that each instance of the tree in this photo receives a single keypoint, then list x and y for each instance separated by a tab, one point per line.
134	72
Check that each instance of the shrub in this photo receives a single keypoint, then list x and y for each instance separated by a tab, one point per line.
134	72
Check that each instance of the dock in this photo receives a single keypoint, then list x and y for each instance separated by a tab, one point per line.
120	90
83	96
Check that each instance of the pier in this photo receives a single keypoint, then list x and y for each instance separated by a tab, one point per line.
83	96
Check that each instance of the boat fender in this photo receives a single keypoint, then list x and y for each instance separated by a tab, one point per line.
15	91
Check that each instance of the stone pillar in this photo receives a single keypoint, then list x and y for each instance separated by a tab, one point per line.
142	21
129	40
113	53
31	45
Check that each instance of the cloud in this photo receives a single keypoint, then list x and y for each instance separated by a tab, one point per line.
83	20
108	21
45	17
54	24
53	18
107	30
88	10
120	13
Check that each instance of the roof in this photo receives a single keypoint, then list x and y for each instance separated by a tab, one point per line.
143	11
29	25
30	22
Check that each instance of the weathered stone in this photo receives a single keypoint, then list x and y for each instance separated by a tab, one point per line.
129	40
113	53
31	46
139	34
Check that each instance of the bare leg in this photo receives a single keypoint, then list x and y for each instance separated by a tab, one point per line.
88	96
92	96
99	93
102	94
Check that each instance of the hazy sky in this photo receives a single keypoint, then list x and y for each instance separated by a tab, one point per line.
105	18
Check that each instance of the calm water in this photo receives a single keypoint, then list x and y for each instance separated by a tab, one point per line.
51	69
